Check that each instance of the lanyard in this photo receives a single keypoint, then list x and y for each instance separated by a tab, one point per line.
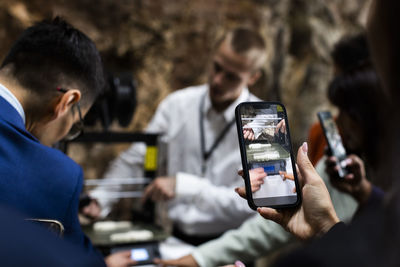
206	154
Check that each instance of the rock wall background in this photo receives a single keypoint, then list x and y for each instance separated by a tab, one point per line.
167	46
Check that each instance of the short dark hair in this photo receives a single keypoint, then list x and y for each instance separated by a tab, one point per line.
351	52
244	40
53	53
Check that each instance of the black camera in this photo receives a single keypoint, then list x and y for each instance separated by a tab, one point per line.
117	101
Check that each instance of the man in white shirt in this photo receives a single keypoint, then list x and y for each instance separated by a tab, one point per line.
203	153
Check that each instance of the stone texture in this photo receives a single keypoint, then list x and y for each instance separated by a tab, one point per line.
167	46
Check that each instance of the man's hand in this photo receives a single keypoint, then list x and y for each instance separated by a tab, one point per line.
185	261
248	134
355	182
92	210
120	259
257	177
316	214
281	127
89	209
286	175
161	189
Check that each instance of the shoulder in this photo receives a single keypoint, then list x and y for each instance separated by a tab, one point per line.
254	98
63	167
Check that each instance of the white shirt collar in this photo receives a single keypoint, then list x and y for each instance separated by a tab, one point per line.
229	113
12	100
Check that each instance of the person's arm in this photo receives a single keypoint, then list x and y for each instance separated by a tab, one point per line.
255	238
130	162
207	201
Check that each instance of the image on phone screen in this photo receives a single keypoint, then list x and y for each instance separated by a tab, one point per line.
333	139
267	151
139	254
142	253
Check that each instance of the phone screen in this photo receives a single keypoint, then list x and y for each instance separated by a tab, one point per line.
139	254
333	139
267	153
142	253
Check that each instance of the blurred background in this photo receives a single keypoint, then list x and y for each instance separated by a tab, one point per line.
166	45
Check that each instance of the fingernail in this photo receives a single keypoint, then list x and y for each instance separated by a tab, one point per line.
304	147
239	264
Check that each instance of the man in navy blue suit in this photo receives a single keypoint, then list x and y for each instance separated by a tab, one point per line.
48	81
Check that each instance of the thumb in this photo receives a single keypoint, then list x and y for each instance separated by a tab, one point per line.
305	166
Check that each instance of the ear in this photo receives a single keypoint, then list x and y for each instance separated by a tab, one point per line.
65	103
254	77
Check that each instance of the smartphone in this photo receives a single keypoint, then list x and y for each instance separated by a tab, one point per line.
265	145
141	253
335	144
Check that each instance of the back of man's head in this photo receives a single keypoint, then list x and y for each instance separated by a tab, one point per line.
248	43
52	53
351	52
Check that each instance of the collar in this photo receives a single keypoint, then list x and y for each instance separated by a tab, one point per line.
12	100
229	113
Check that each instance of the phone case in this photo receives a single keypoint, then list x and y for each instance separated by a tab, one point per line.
276	163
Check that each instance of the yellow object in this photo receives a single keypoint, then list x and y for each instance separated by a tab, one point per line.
150	161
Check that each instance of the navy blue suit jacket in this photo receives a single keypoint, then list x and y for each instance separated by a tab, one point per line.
24	243
37	180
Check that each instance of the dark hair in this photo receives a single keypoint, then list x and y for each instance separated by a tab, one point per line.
350	52
359	94
52	53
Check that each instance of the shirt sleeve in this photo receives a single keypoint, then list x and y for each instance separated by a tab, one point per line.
130	162
202	198
255	238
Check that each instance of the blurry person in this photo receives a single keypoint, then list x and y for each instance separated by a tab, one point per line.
358	96
355	94
48	81
349	53
373	237
203	155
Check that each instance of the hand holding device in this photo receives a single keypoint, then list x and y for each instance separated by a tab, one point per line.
316	215
355	182
334	141
120	258
138	254
267	157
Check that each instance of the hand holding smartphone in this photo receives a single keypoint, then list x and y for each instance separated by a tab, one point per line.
334	141
267	157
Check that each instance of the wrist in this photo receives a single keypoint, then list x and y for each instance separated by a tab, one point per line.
363	193
327	224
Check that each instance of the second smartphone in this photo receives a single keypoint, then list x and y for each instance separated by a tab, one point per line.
267	154
335	144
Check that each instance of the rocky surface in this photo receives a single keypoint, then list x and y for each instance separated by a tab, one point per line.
167	46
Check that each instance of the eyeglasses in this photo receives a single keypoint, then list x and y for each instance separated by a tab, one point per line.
77	128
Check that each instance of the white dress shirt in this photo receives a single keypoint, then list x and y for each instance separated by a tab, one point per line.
205	204
10	98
